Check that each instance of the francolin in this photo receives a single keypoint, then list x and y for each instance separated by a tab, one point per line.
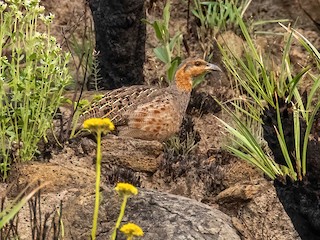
151	113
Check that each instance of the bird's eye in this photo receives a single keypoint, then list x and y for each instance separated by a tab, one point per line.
198	63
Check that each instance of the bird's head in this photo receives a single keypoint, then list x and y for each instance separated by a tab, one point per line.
189	69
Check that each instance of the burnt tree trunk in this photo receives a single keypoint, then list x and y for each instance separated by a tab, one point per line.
120	39
300	199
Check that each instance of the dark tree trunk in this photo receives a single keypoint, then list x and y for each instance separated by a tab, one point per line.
301	202
300	199
120	39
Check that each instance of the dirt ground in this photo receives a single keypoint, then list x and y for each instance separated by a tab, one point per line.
209	174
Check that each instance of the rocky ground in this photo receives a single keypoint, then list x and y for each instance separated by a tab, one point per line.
207	193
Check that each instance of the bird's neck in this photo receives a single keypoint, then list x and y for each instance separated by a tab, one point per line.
183	81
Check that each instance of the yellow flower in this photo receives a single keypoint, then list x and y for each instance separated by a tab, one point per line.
131	229
126	189
98	124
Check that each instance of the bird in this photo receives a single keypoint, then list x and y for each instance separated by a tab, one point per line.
150	113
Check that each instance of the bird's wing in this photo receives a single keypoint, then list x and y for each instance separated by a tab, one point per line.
156	119
116	102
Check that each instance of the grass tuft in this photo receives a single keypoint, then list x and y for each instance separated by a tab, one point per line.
33	75
271	99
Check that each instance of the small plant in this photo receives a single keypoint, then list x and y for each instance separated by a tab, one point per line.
267	90
97	126
33	75
168	46
80	107
126	190
83	51
12	209
215	16
101	126
180	147
85	57
84	63
42	223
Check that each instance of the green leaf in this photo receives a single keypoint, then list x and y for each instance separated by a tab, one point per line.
174	40
162	54
166	14
158	28
173	68
250	150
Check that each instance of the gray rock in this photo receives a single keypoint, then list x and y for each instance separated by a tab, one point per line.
160	215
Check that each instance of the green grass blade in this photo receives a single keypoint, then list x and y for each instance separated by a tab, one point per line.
304	41
252	160
297	141
293	83
281	138
315	87
249	145
15	207
306	138
251	113
285	153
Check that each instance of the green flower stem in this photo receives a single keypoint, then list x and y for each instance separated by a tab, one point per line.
123	207
97	193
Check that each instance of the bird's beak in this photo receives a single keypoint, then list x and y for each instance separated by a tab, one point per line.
213	67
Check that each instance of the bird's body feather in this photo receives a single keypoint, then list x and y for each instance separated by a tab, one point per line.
146	112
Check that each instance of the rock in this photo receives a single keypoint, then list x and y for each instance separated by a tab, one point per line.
311	8
64	179
138	155
160	215
133	154
233	42
257	211
68	168
237	193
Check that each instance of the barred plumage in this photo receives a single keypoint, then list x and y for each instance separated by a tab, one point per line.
148	112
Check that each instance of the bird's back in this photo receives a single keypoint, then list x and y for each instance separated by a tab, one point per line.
115	102
142	111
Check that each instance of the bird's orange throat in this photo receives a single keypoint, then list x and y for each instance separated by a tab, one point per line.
183	80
